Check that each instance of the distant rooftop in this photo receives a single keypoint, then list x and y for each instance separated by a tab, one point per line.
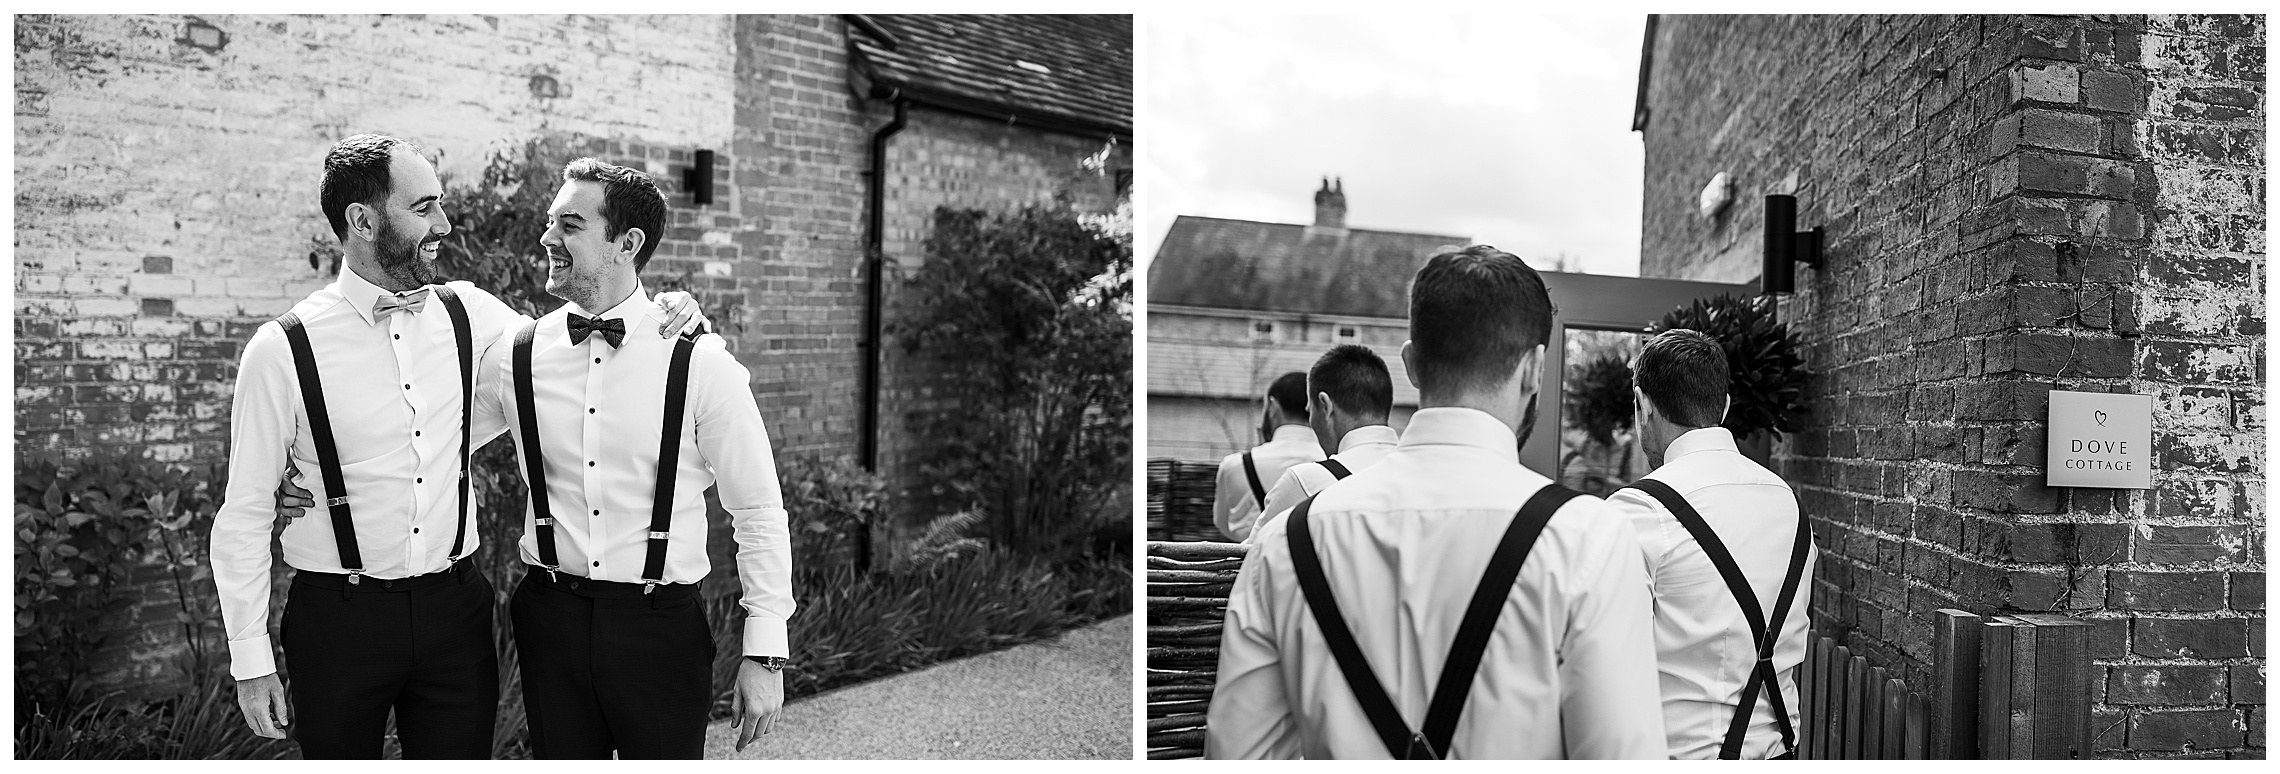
1285	267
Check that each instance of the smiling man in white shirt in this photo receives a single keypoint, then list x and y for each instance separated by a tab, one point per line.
1350	399
1446	602
619	437
1244	476
366	383
1709	521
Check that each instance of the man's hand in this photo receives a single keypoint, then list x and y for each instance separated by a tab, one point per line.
262	701
759	697
292	499
681	314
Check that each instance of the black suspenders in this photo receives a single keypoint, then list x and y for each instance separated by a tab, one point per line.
1251	471
328	454
1338	471
1761	674
1465	651
668	458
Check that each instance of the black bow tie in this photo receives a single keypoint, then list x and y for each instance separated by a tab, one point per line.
612	331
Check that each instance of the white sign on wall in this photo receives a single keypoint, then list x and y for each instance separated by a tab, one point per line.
2100	439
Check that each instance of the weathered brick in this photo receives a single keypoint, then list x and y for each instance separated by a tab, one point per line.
2048	83
2246	591
2116	91
2060	131
2131	590
2246	684
2176	729
2189	638
2167	685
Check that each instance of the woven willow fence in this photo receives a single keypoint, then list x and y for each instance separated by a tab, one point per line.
1187	603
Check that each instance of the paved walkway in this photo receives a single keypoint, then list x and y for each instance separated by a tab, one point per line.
1065	698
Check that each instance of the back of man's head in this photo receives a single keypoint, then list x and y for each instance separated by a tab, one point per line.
1289	394
1683	373
1473	313
1356	381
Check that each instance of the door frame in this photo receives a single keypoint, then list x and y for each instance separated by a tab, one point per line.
1604	303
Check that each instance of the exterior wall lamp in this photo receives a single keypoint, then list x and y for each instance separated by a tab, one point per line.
697	180
1785	245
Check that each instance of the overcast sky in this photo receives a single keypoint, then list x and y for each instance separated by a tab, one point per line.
1510	130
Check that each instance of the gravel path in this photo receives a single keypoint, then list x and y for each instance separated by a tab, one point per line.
1065	698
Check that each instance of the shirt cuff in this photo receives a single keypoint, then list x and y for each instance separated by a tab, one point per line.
766	637
252	657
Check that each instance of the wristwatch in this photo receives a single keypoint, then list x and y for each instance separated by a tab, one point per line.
771	663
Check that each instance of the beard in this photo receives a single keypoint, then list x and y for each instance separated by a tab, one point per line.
399	255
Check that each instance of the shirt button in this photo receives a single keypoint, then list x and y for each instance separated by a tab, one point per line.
589	463
399	335
597	513
415	433
407	386
589	410
415	530
597	564
419	481
597	360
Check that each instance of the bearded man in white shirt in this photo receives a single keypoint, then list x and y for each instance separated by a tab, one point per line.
619	437
1244	476
1351	400
1724	542
1446	602
367	382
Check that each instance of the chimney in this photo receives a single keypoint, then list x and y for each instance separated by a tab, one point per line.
1330	204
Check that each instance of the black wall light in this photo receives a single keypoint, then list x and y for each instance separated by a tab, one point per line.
698	179
1785	245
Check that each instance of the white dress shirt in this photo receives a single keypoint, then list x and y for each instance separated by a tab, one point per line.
1701	638
392	393
600	418
1568	674
1236	505
1360	448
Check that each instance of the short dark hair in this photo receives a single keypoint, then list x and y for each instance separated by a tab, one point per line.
1355	379
1289	392
629	200
1683	373
1473	312
356	172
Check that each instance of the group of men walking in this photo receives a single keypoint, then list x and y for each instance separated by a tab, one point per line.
623	413
1427	596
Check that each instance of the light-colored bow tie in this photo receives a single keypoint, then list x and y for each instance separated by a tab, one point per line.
389	303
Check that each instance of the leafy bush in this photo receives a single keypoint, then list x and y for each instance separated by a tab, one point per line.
833	504
1768	376
1025	318
81	533
1598	398
202	724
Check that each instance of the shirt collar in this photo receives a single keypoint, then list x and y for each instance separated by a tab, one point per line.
632	308
1364	436
1701	439
1452	426
1295	433
359	293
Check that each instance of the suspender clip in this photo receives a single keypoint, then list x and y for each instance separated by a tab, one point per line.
337	501
355	576
549	572
648	586
660	535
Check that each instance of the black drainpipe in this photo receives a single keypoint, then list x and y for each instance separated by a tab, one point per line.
874	279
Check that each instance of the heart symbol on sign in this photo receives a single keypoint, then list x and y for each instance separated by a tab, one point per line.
2101	417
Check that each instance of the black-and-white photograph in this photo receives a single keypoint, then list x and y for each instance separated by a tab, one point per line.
1705	386
774	374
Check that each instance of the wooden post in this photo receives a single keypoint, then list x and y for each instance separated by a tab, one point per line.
1834	717
1918	742
2060	687
1805	688
1856	689
1955	686
1995	678
1895	721
1872	715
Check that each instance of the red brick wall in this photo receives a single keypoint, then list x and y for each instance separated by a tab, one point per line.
2011	203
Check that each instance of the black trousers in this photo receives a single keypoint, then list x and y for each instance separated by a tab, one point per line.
421	647
606	668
